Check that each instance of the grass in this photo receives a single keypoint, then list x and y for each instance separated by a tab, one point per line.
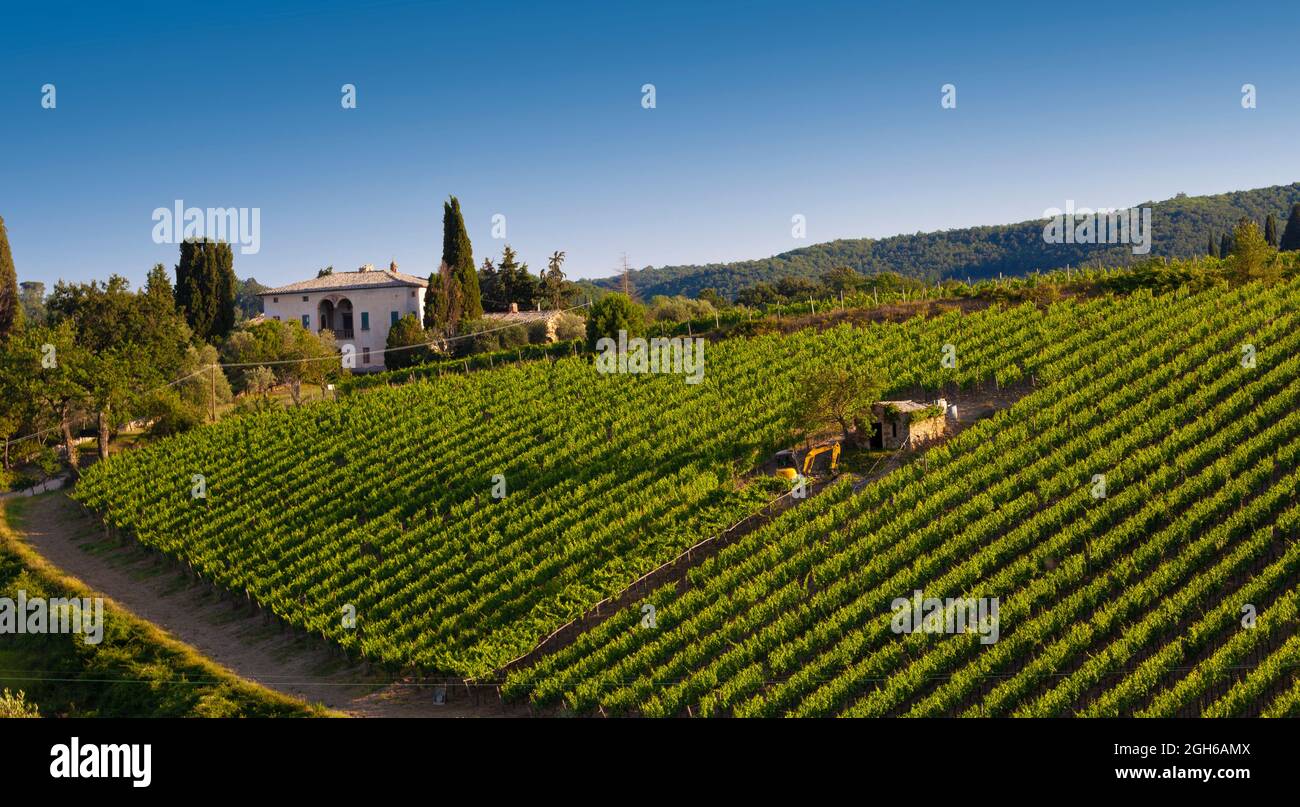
137	670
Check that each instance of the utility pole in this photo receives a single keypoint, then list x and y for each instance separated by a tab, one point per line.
627	276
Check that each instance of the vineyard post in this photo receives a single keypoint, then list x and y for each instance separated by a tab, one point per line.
212	376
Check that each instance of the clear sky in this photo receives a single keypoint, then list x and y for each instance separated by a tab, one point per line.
763	110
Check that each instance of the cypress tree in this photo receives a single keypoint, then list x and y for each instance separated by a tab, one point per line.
1213	248
225	288
1291	235
190	290
1225	245
11	309
206	287
458	255
442	302
435	303
1270	230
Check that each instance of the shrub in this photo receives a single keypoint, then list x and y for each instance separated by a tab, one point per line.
538	332
516	336
171	414
407	344
614	313
16	705
678	309
569	327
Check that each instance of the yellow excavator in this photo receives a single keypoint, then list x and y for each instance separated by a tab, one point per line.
787	464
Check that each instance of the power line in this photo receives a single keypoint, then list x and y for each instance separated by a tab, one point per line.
207	368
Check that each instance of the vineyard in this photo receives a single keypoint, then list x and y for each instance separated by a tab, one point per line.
463	518
1128	603
384	501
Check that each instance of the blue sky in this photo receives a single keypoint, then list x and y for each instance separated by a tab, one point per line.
764	110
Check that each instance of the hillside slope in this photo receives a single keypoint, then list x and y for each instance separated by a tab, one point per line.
1130	599
385	500
1181	228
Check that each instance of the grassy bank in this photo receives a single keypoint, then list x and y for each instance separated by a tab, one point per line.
135	671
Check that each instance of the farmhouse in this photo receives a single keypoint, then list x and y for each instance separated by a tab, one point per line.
909	424
358	307
548	319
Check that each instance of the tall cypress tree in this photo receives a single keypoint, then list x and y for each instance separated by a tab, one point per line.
190	289
206	287
1270	230
1213	248
458	255
1291	235
435	302
225	288
11	308
1225	245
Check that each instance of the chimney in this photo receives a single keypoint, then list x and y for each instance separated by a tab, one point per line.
392	267
514	308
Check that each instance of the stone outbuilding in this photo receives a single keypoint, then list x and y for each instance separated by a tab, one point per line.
907	424
549	320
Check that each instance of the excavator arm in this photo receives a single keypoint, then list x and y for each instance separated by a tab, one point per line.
808	460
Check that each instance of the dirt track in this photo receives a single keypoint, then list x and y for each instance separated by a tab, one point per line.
226	631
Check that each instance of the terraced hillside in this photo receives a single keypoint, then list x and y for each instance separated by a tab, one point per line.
1136	516
384	501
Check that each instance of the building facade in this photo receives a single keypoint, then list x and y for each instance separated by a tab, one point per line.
358	307
907	424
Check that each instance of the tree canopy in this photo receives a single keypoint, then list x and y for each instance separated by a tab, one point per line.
1179	228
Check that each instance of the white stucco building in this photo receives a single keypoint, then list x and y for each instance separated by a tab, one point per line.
359	307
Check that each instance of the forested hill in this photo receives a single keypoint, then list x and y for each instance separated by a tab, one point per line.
1181	226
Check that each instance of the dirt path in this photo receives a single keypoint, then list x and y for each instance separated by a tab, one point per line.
225	631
